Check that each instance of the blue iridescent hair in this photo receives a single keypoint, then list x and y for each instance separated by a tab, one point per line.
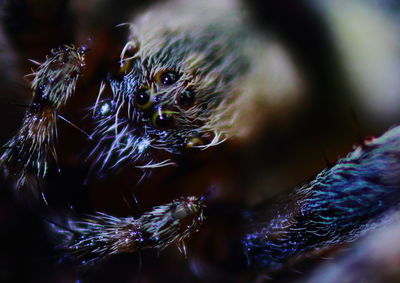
338	205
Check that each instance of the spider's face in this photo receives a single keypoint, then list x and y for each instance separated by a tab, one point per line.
162	101
151	108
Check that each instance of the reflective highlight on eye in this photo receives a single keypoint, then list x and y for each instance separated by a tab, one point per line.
163	119
143	98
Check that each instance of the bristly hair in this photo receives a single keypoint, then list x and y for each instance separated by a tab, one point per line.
26	155
100	235
339	205
186	83
175	89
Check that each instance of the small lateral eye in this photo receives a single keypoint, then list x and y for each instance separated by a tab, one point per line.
186	98
194	141
162	120
125	66
130	50
143	98
168	78
126	62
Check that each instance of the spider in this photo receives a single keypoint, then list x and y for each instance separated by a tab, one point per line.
157	106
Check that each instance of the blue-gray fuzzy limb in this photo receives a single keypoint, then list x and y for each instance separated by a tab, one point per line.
339	205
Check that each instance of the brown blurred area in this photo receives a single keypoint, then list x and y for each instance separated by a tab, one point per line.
287	153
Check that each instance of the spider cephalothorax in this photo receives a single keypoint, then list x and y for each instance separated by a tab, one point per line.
173	93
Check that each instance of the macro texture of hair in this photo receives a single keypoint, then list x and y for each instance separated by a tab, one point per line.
26	154
183	82
100	236
184	75
338	205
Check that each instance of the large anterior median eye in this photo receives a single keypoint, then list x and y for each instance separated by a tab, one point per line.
163	119
143	98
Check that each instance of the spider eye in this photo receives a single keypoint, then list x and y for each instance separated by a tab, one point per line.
162	120
169	78
142	98
125	66
194	141
127	58
186	98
